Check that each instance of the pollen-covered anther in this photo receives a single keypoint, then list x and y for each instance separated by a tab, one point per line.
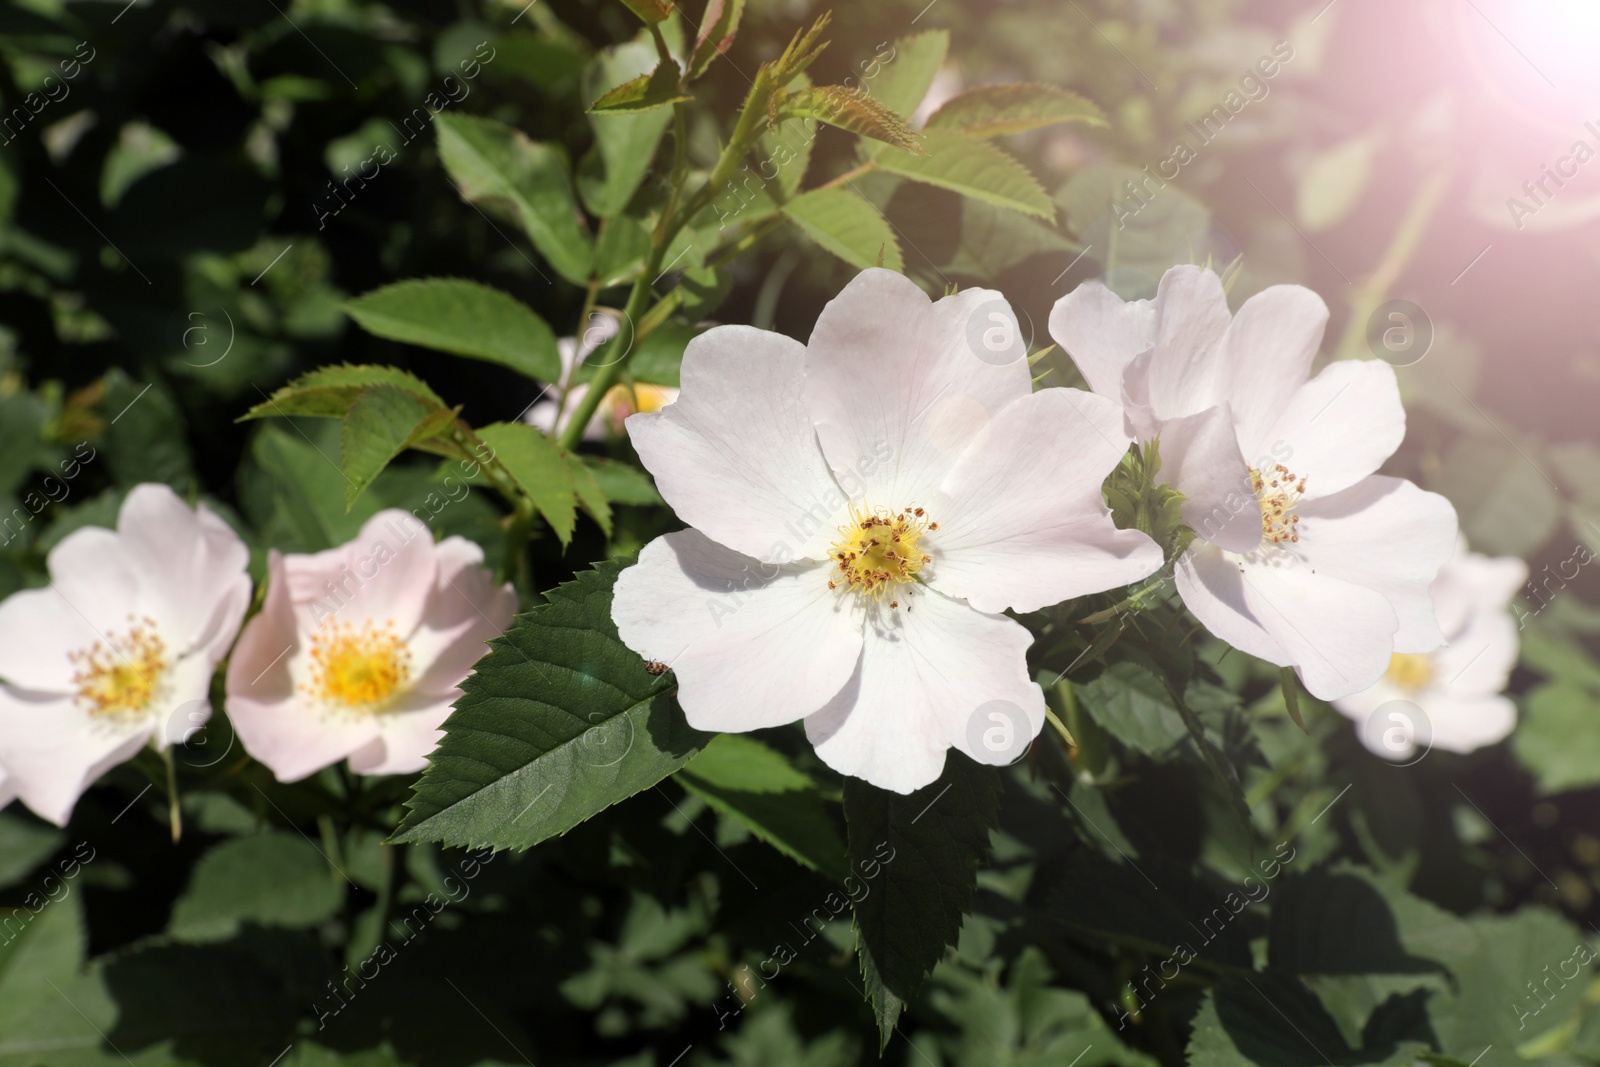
359	668
120	675
1278	490
877	551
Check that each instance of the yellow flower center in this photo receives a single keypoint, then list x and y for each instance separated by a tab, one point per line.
357	668
1278	491
877	551
1409	671
120	675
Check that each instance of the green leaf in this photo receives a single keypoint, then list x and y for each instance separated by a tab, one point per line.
541	469
22	419
718	27
973	168
1505	505
996	110
383	422
647	92
625	144
23	846
902	82
848	225
744	779
558	722
591	497
496	166
1556	739
1334	180
462	317
651	11
621	483
785	150
929	845
61	1026
849	109
273	879
145	440
329	391
1134	706
1275	1021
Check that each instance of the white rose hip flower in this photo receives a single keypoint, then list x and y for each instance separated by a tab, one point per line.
864	507
1457	687
118	650
358	651
1303	556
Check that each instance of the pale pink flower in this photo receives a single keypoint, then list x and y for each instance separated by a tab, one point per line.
864	507
1459	687
359	651
118	650
1304	556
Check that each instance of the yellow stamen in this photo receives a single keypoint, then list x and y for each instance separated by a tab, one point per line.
1278	491
877	550
121	675
357	668
1409	671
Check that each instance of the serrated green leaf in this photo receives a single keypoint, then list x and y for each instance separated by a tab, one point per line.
718	27
1134	706
996	110
328	392
785	151
625	144
462	317
1272	1021
591	497
973	168
851	109
848	225
902	82
929	845
540	467
744	779
498	167
383	422
274	879
558	722
647	92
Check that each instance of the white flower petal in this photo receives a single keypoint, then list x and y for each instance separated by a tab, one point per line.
38	628
752	644
736	455
1479	659
385	575
407	734
1339	427
1211	584
1338	635
1462	723
466	611
53	751
1022	521
1188	372
921	683
1387	535
91	570
1102	334
1472	584
898	388
189	564
1269	349
1200	457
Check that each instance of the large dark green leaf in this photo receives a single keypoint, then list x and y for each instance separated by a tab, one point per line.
560	721
275	879
925	849
972	167
847	224
383	422
464	317
742	778
498	167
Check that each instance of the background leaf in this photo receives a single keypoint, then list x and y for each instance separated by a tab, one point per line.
464	317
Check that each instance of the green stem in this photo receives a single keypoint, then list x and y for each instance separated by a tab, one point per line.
174	816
